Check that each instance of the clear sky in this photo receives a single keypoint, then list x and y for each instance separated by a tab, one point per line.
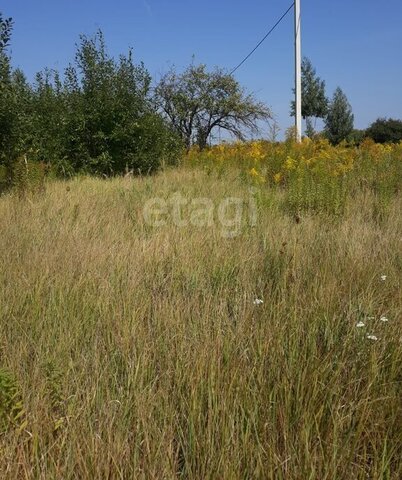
356	44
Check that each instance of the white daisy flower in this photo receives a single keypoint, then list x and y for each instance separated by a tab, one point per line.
360	325
258	301
384	319
372	337
383	278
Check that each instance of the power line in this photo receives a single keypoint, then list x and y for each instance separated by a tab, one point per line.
263	39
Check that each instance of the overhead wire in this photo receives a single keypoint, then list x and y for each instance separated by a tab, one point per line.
263	39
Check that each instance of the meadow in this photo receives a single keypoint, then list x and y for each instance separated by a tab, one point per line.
256	338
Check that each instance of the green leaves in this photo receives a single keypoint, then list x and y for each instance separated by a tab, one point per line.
6	27
12	412
314	100
97	118
197	101
385	130
340	119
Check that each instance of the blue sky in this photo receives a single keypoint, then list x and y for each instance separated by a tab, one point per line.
356	44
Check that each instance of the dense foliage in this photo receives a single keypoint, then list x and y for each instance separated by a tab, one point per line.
7	106
385	130
314	100
97	117
339	120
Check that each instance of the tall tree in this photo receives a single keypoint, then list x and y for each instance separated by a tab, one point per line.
340	119
7	112
109	121
197	102
314	100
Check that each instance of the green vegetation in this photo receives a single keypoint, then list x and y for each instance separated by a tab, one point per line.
98	119
337	114
236	315
101	116
198	102
339	119
385	131
314	100
141	352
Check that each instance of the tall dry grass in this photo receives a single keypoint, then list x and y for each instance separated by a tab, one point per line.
130	351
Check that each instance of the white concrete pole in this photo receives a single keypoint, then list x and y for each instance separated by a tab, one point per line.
298	94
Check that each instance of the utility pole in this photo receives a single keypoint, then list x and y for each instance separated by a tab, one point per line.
298	93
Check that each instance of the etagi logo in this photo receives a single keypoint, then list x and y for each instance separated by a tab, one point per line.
231	214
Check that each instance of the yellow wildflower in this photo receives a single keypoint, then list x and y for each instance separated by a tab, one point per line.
257	176
290	163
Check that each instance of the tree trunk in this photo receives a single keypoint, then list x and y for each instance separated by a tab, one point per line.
202	138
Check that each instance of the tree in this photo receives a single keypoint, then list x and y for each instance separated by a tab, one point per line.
314	100
196	102
6	27
8	115
273	130
340	119
385	130
105	101
15	94
99	118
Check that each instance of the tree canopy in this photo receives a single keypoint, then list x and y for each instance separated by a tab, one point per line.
340	119
314	100
6	26
97	116
385	130
197	102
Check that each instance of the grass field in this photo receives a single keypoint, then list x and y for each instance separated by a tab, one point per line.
130	350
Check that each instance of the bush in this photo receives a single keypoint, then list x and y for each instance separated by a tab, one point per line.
385	131
356	137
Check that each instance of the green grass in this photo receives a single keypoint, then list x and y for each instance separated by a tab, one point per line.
138	352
